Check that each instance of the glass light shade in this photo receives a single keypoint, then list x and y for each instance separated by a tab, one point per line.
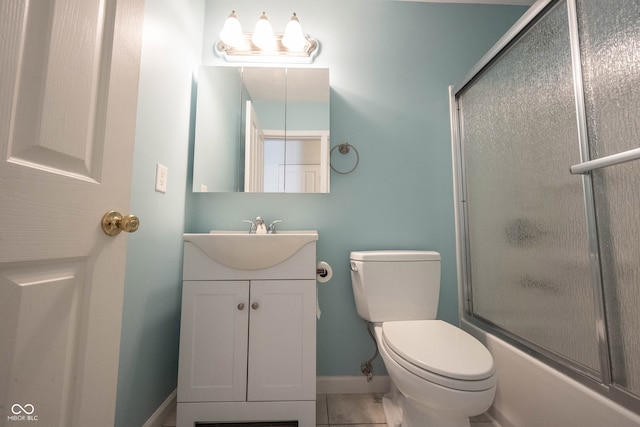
294	38
231	33
263	34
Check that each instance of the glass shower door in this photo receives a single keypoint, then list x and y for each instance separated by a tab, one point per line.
610	51
548	197
527	237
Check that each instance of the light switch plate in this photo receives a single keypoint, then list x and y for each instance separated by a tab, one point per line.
161	178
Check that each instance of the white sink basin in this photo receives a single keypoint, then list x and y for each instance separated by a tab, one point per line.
244	251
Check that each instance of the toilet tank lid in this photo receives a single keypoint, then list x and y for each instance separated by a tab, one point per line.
395	255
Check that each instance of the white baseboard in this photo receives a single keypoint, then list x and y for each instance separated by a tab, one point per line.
348	384
159	416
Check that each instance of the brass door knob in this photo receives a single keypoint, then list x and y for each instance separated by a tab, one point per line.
113	223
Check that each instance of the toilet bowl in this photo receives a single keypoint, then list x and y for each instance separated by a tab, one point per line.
440	375
424	396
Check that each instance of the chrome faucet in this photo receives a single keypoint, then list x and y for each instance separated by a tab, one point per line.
272	226
252	229
258	226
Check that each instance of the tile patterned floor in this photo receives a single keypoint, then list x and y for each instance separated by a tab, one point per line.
349	409
363	410
354	410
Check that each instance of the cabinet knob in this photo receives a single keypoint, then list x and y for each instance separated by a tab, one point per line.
255	306
241	306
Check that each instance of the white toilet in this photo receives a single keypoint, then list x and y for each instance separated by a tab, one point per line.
440	375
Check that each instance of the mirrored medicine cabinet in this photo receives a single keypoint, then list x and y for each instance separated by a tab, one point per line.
262	129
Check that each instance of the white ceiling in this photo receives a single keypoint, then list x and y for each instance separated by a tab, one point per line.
267	84
511	2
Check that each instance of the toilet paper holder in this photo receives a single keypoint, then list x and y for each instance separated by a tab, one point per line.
324	272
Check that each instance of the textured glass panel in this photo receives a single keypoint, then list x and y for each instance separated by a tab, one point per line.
528	242
610	45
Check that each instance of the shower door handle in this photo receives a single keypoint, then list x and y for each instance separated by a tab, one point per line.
603	162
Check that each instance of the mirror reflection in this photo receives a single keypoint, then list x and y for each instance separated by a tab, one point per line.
262	129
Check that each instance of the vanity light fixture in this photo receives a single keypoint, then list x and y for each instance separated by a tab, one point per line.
263	45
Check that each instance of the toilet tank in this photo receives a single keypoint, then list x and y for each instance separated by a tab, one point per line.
396	285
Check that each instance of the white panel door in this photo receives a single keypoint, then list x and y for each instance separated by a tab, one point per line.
282	340
68	92
213	341
299	178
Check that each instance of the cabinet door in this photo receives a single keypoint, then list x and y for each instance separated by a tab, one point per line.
213	341
282	340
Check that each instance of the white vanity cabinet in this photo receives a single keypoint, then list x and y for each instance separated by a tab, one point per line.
247	341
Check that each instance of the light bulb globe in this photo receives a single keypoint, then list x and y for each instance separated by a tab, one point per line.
231	33
294	38
263	36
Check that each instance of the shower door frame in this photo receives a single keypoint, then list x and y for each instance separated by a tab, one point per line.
602	381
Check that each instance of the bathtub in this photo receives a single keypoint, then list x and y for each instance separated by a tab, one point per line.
533	394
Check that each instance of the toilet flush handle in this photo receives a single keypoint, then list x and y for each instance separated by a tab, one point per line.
353	266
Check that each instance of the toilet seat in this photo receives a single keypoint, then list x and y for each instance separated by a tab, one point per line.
440	353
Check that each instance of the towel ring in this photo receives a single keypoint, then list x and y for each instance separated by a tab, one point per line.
345	148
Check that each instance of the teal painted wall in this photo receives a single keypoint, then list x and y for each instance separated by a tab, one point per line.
388	99
172	41
391	64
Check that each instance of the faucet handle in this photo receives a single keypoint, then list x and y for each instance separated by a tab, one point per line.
252	230
272	226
